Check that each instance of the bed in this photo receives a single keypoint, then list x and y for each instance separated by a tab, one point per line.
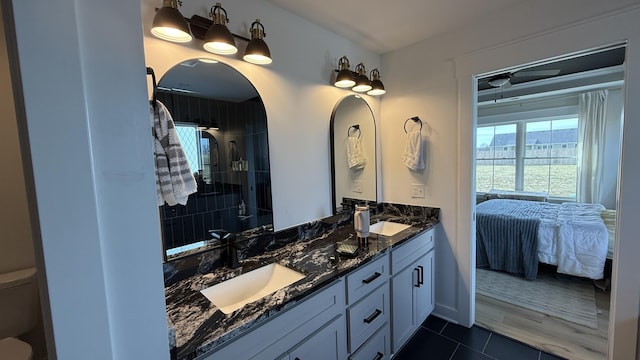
514	235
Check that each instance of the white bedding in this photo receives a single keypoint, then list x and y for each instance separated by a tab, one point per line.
574	237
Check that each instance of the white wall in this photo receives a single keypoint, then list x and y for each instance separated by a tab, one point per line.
433	79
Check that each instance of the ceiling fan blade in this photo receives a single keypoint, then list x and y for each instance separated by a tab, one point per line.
550	72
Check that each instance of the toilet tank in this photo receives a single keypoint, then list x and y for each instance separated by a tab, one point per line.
18	302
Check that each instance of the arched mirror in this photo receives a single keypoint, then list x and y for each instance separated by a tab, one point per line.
222	125
353	153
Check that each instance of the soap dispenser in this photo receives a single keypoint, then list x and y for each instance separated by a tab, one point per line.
361	225
242	208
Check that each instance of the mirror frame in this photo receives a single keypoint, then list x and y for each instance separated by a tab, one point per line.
370	162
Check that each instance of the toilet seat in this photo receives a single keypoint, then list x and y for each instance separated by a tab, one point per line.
16	349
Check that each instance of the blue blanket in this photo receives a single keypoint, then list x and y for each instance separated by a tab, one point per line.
507	236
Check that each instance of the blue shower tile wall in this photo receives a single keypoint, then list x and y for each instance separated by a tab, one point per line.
191	223
215	205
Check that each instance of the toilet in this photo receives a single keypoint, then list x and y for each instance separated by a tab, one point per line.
18	312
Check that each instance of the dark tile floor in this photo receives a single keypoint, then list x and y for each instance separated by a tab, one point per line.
438	339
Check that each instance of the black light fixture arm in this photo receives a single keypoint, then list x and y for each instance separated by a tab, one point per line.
199	26
257	30
374	74
216	14
343	64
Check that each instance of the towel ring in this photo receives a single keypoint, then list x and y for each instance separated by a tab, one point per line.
416	119
354	127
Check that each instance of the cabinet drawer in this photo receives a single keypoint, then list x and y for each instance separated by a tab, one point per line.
367	316
367	278
376	348
410	251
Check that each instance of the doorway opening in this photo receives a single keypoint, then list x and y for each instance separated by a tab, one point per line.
547	154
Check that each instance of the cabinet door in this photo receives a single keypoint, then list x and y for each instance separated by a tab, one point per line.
423	294
402	313
326	344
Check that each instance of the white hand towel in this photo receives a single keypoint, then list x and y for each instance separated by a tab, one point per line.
355	157
412	156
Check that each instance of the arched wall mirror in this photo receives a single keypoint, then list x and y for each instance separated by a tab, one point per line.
222	125
353	153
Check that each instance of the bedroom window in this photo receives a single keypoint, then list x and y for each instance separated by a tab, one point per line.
495	163
541	157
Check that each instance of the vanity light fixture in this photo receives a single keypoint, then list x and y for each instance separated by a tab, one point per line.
218	38
358	80
257	51
362	81
377	88
168	23
345	78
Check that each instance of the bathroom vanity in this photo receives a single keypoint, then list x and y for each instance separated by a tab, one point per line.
360	307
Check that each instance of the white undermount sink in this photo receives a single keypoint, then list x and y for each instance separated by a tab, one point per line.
232	294
387	228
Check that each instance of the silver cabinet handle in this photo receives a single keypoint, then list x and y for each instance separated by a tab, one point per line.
417	284
379	356
420	275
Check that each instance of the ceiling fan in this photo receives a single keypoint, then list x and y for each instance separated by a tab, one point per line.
504	80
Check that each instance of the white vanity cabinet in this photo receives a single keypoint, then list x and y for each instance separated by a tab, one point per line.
411	287
367	314
326	343
368	308
298	330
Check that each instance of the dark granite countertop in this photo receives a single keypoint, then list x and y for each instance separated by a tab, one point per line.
197	326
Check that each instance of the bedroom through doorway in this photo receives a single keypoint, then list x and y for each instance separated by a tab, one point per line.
547	153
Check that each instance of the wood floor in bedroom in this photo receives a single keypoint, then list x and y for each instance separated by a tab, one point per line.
547	333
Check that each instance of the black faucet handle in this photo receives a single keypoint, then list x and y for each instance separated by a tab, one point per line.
228	240
220	234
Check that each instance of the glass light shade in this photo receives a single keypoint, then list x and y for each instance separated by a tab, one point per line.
218	40
345	79
168	24
208	60
257	52
362	84
377	88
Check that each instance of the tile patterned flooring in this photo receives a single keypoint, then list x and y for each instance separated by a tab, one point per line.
438	339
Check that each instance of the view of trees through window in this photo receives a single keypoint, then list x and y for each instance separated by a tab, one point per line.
532	156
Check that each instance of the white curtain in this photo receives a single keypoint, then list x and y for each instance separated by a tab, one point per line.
592	111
